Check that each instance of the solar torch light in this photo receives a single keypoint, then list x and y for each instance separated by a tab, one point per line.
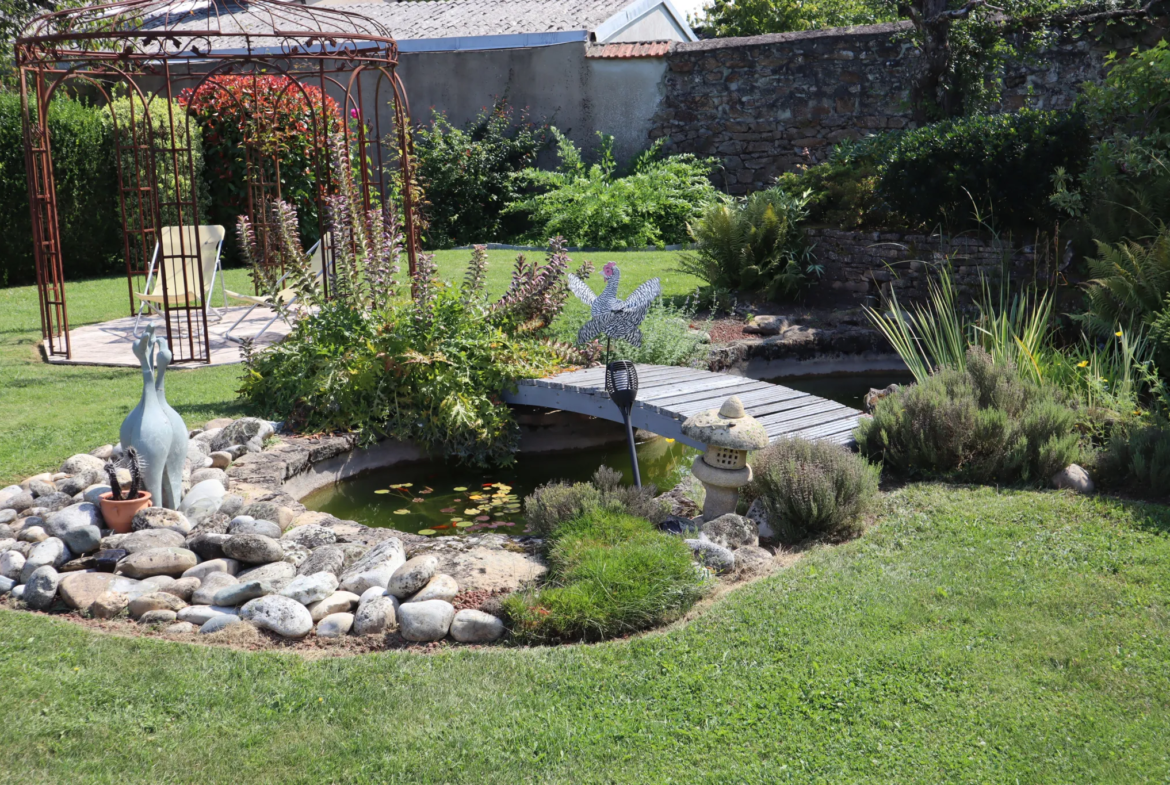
621	382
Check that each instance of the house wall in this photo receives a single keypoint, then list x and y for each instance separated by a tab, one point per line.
763	105
657	25
558	84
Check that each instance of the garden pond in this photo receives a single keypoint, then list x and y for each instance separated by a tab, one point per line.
441	499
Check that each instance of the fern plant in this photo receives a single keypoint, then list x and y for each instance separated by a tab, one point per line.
755	243
1130	282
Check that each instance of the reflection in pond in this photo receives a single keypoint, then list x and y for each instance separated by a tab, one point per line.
847	388
434	496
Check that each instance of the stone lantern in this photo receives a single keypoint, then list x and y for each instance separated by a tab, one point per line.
729	434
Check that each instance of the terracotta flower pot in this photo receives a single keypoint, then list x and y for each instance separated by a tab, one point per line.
119	514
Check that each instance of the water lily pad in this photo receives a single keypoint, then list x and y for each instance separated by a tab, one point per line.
464	524
471	511
483	517
447	510
401	484
402	512
419	499
460	489
382	491
427	532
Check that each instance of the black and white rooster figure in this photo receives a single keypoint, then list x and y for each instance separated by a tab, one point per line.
610	316
616	318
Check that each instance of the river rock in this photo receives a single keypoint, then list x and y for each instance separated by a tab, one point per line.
311	536
204	498
241	431
220	459
203	569
78	526
337	602
1075	478
18	501
79	590
376	567
490	569
231	505
242	592
253	549
271	511
180	628
711	555
307	589
412	576
32	533
71	486
93	494
218	623
157	561
201	614
109	604
41	588
732	531
208	474
295	554
147	539
51	552
6	585
102	561
8	516
752	561
376	615
158	616
54	502
246	524
82	465
278	574
183	588
208	545
11	564
155	601
440	587
161	518
217	523
335	625
425	621
281	615
472	626
327	558
210	586
758	515
40	488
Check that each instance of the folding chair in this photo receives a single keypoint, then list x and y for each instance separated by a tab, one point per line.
185	257
286	296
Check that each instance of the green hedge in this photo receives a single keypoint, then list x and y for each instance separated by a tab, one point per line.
87	206
992	168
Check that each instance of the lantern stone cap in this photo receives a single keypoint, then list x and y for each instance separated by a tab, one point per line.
728	426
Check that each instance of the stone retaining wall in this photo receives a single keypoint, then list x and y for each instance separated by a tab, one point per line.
764	104
858	265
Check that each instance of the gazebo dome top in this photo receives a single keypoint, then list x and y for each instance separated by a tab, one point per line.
158	30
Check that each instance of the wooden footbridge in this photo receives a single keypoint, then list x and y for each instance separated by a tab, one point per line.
669	395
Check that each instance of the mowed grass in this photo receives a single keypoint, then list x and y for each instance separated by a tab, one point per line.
971	636
48	413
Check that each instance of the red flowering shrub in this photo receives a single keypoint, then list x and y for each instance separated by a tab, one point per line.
289	125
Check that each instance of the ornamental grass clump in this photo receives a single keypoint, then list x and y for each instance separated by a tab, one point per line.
609	574
985	424
813	489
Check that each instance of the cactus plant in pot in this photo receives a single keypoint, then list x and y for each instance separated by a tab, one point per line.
118	506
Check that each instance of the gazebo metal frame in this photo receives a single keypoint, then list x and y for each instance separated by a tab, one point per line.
153	49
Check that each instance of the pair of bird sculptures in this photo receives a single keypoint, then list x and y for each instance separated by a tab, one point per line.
610	316
154	429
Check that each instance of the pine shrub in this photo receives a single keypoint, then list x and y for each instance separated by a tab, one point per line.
986	424
813	489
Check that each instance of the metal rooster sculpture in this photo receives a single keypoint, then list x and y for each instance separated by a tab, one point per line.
610	316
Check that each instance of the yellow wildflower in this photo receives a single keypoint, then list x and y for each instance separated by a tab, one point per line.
1118	333
1083	364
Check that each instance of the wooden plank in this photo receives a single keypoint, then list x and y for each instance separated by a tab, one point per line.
672	387
826	429
721	394
818	406
810	420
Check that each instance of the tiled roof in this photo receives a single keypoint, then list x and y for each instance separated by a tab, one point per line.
416	19
627	51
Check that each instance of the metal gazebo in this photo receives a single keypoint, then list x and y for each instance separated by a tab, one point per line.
151	51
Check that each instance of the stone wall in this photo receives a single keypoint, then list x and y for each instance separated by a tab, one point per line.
858	265
764	104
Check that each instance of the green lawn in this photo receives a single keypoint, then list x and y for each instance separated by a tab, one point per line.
48	413
971	636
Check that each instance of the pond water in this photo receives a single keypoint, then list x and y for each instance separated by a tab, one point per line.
846	388
433	496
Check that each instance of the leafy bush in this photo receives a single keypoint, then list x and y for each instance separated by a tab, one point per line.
467	174
755	244
598	205
730	18
960	172
285	121
986	424
1137	458
556	502
1130	283
87	193
813	489
609	574
842	191
429	370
